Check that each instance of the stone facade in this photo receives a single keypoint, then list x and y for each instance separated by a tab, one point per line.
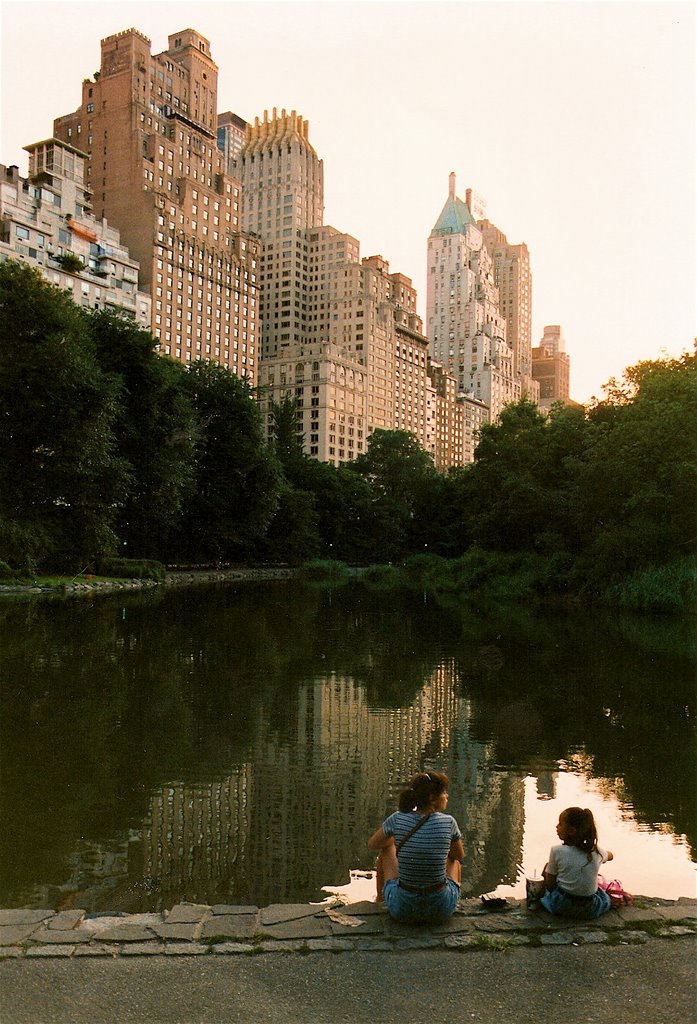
148	124
465	326
513	279
551	367
340	334
46	222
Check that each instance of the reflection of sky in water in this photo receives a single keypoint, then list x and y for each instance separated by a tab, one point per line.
648	863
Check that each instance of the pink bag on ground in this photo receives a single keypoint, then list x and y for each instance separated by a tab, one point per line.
615	890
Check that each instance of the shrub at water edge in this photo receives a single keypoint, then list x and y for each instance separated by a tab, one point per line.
324	570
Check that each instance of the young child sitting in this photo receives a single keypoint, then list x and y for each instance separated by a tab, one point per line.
571	874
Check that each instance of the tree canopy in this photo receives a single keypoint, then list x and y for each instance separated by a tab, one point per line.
110	447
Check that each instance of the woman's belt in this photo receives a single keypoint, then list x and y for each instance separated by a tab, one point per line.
422	890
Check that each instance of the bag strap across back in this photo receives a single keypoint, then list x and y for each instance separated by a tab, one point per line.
417	826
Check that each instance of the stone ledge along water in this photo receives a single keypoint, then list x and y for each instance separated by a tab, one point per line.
194	929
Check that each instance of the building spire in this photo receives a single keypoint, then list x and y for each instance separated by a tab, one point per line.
451	185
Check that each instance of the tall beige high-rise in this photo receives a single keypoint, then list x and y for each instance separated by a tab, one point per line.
340	334
148	124
513	278
466	328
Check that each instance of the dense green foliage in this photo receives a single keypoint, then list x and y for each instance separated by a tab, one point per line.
112	449
61	479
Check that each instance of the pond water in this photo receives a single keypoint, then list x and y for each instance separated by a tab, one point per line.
238	743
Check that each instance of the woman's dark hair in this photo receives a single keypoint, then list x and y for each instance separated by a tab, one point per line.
585	834
423	790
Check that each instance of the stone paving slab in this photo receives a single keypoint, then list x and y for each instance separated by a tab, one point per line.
65	920
371	926
127	933
11	952
47	936
97	949
633	937
678	929
641	914
279	913
17	917
142	949
461	941
680	911
97	925
591	937
230	926
456	925
423	942
186	949
188	913
557	939
60	949
305	928
400	930
232	948
362	909
281	946
495	923
374	946
230	911
11	935
178	932
191	929
333	945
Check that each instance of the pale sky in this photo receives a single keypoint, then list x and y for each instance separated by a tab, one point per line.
576	121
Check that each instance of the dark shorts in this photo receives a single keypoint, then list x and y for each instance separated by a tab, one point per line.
427	908
585	908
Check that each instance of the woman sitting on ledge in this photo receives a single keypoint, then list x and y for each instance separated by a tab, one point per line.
418	867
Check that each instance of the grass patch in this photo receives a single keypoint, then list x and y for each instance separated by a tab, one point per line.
325	571
660	588
650	927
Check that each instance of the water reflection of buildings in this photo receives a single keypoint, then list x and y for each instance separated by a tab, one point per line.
296	814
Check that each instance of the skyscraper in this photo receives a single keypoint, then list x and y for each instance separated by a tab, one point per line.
340	334
551	366
466	329
283	197
148	124
513	279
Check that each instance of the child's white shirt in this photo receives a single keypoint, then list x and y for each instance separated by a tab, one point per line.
575	873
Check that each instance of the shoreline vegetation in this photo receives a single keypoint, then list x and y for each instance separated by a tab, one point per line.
495	578
112	449
482	576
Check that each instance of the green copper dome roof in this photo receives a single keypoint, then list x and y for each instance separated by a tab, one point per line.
454	218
